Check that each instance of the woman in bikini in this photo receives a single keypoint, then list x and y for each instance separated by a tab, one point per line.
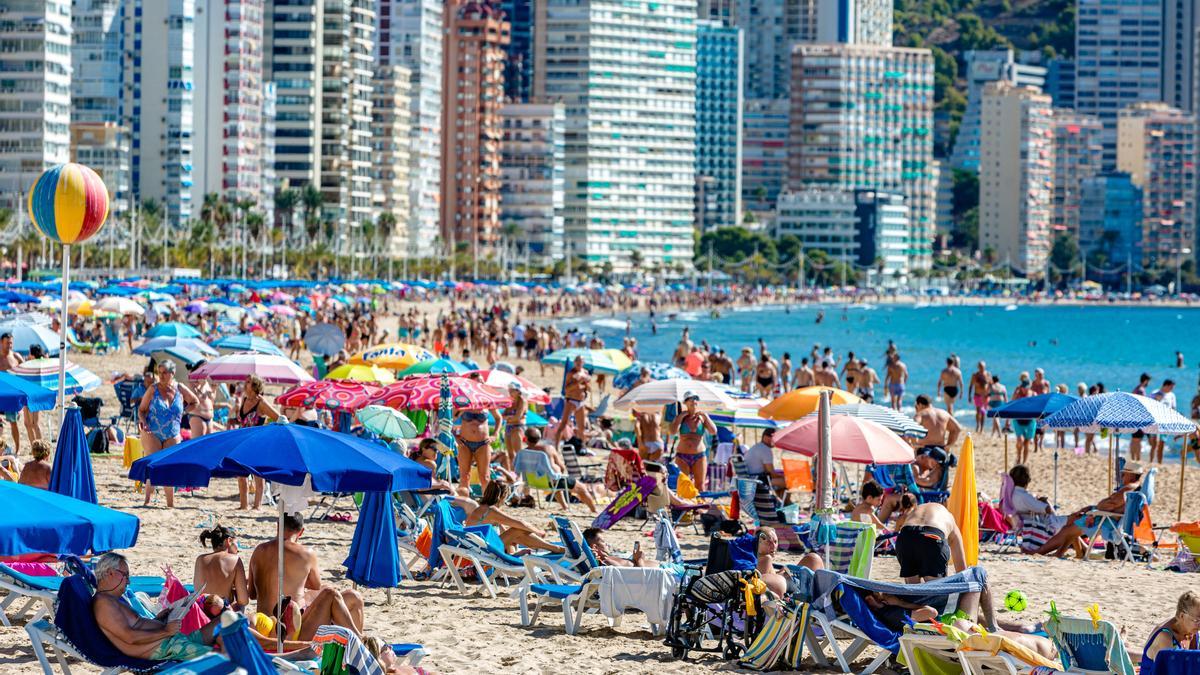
513	531
1178	633
161	415
200	415
252	411
690	454
514	422
221	572
474	448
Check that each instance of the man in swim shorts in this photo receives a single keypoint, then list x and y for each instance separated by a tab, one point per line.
897	376
950	384
977	390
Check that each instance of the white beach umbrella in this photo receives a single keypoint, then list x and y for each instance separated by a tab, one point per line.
654	395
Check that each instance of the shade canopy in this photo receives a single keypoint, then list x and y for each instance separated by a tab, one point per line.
361	372
62	524
386	422
71	474
853	439
235	367
1120	412
246	343
425	393
886	417
657	370
160	343
435	367
596	360
325	339
26	335
654	395
284	453
44	372
1033	407
16	393
798	403
331	394
394	355
173	329
503	379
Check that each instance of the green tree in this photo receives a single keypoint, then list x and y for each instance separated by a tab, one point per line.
1064	254
312	201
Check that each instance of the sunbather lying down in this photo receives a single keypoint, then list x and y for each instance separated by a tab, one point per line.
513	531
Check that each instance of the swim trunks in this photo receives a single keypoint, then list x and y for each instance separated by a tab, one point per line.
1025	429
981	403
896	389
922	551
180	647
951	392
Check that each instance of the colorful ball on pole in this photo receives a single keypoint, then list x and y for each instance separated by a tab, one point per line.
69	203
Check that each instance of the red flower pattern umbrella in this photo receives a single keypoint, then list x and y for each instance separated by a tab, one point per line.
331	394
501	380
424	393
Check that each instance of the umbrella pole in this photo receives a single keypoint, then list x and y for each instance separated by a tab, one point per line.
1056	476
1005	435
1110	463
62	335
1182	473
279	588
823	461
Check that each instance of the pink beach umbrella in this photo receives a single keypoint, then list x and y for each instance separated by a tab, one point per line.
235	367
424	393
501	380
283	310
853	439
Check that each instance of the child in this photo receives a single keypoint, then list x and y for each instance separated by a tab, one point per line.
894	612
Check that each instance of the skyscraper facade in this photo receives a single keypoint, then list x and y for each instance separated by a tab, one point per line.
391	129
1060	82
772	28
983	67
862	117
1077	153
99	124
1016	174
626	72
1110	219
476	36
764	153
518	63
857	22
1181	21
35	92
719	123
533	175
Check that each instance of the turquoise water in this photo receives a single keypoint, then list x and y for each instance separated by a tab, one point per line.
1107	344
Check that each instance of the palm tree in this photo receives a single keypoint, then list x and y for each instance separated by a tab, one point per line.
312	201
214	213
385	227
255	225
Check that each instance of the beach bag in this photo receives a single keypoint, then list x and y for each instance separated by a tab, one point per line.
779	644
97	441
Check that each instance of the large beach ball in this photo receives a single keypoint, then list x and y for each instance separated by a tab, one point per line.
69	203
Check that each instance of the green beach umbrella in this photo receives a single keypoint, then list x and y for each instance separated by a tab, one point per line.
386	422
435	367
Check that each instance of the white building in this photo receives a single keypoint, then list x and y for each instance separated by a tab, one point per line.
35	92
391	111
411	35
99	124
626	72
159	85
865	228
532	175
858	22
997	65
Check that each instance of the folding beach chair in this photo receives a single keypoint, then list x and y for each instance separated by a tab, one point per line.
930	654
852	550
579	555
1089	647
539	474
797	476
39	593
594	594
124	391
1177	662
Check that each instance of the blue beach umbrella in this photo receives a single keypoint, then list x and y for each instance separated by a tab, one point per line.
435	367
324	339
173	329
62	524
1120	412
16	393
1033	407
532	419
658	371
374	559
243	650
17	297
160	343
72	471
26	335
246	343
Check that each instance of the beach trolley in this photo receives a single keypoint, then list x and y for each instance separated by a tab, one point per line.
710	615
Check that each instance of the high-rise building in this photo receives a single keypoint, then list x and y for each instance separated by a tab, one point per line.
473	79
719	51
862	118
410	35
1181	23
1077	156
1156	146
229	147
882	233
764	153
35	92
391	129
160	81
1060	82
983	67
518	63
724	11
626	72
1016	174
533	179
1118	60
99	124
856	22
1110	219
772	28
860	227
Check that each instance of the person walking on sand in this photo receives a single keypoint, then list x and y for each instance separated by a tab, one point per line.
950	384
896	379
978	391
1165	395
997	396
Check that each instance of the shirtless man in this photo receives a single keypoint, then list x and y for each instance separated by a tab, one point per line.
9	360
868	379
765	376
320	604
804	375
977	391
575	395
825	375
36	472
896	379
682	349
153	639
943	429
1040	384
950	384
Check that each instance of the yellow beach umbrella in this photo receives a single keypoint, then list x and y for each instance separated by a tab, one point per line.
964	501
393	355
81	308
619	357
362	372
803	402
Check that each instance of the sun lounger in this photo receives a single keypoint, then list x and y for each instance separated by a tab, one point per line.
1088	646
539	474
606	590
40	592
930	654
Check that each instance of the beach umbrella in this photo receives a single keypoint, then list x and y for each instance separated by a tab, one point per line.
532	419
435	367
246	343
236	367
1034	408
7	297
26	335
885	417
173	329
160	343
62	524
655	395
386	422
324	339
185	360
196	307
243	649
393	355
854	440
16	394
374	558
122	306
798	403
596	360
658	371
361	372
963	503
82	308
71	474
426	393
282	310
742	418
288	454
329	394
47	373
501	379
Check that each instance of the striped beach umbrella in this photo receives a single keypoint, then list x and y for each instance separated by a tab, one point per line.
434	391
658	371
1120	412
26	335
246	343
885	417
44	372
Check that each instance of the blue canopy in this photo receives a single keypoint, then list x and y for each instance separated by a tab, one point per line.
658	371
18	297
284	453
173	329
160	343
325	339
374	559
25	335
72	472
1120	412
247	343
39	521
1033	407
16	393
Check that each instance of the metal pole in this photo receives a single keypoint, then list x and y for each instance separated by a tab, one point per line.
824	465
62	334
1128	273
279	598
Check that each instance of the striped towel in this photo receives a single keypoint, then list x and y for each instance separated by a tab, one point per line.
355	656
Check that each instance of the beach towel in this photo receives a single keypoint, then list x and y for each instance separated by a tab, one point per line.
624	467
1176	662
626	501
994	644
746	490
354	655
649	589
173	590
666	545
779	644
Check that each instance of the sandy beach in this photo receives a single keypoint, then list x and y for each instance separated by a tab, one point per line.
477	634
